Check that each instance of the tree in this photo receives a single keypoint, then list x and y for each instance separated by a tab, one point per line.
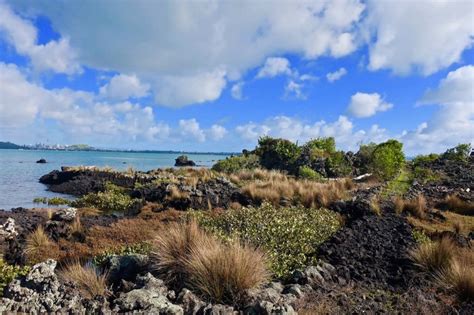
387	159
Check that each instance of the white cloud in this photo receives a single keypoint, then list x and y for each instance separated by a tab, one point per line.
422	36
236	90
57	56
367	104
297	130
217	132
189	128
294	89
188	50
273	67
453	123
178	91
122	87
336	75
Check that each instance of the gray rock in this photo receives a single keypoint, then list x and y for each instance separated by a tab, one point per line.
219	309
8	229
66	214
144	300
191	304
125	267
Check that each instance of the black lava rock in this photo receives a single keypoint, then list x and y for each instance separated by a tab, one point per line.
41	161
183	160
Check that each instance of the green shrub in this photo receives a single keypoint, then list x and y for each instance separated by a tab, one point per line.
40	200
337	165
307	172
322	145
236	163
290	236
278	154
420	237
114	198
364	157
9	272
387	159
56	201
458	153
425	175
420	160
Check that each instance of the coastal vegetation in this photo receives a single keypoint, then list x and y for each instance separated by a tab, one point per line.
284	217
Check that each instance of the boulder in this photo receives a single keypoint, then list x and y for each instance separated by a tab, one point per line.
8	229
125	267
183	160
41	161
66	214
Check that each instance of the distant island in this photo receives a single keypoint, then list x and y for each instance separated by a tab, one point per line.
86	147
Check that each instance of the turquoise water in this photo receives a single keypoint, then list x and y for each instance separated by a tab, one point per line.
19	172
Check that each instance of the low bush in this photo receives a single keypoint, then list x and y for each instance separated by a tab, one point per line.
237	163
425	175
143	248
459	153
289	235
113	198
421	160
185	255
88	279
278	154
307	172
9	272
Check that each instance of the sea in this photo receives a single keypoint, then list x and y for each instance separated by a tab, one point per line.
19	172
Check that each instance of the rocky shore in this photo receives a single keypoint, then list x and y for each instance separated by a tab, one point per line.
365	266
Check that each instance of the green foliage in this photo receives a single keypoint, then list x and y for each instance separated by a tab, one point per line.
364	156
325	146
9	272
114	198
420	237
290	236
277	153
307	172
458	153
425	175
420	160
337	165
399	185
54	201
387	159
236	163
141	248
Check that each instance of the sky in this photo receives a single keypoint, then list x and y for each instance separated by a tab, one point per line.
217	75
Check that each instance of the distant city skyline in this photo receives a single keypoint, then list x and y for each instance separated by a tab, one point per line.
215	76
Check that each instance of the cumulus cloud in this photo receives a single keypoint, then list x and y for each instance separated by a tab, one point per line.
178	91
453	122
422	36
122	87
367	104
342	129
217	132
273	67
189	128
294	89
336	75
195	48
236	90
56	55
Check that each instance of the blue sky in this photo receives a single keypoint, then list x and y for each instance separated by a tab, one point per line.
215	76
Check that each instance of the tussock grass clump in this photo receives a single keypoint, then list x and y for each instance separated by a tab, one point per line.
305	192
89	280
434	256
416	207
186	255
223	273
288	235
459	277
258	174
455	204
39	247
176	194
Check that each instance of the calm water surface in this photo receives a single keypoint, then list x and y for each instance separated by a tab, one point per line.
19	172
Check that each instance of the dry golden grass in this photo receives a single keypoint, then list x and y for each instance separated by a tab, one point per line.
454	221
375	205
258	174
39	247
76	226
308	193
455	204
89	212
186	255
176	194
416	207
434	256
459	277
223	273
87	278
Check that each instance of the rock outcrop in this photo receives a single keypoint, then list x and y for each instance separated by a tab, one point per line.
183	160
